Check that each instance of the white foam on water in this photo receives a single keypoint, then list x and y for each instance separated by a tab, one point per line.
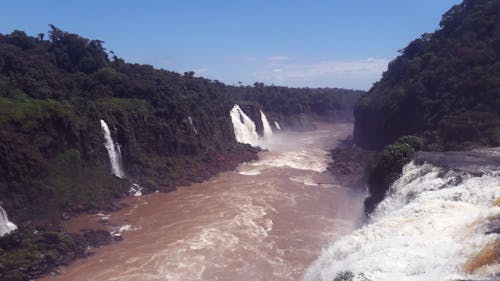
122	228
305	180
427	227
135	190
250	172
246	230
311	160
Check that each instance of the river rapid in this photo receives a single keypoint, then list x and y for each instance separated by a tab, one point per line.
268	220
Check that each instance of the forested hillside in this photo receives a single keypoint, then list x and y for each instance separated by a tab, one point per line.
289	101
295	108
53	94
445	86
171	129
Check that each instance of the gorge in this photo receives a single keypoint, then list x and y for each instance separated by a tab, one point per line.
112	170
236	225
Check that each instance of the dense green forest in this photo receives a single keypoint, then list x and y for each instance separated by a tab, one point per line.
54	91
289	101
445	86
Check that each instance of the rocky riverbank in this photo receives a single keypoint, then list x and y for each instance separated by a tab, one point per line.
351	165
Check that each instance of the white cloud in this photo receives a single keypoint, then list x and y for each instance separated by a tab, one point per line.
200	71
278	58
349	73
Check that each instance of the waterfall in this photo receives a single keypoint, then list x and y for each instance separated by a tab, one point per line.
114	152
6	226
277	125
135	190
192	125
268	132
244	127
431	226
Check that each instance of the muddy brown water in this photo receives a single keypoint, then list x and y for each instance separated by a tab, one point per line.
268	220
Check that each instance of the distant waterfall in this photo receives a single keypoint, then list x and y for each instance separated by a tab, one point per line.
192	124
277	125
6	226
244	127
113	148
268	132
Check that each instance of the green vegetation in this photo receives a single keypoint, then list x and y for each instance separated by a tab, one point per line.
389	166
289	101
445	86
52	95
27	251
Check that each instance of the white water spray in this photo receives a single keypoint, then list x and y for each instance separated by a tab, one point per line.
6	226
244	127
427	228
114	152
277	125
268	132
135	190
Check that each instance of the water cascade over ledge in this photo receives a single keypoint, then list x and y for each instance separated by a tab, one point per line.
244	127
431	226
190	120
268	132
277	125
6	226
114	152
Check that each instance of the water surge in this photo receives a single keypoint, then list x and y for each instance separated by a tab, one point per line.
431	226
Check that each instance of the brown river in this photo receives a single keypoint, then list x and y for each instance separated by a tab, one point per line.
268	220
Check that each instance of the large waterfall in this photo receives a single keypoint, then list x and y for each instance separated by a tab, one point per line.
268	132
6	226
244	127
431	226
113	148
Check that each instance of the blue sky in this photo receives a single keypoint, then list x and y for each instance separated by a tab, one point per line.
336	43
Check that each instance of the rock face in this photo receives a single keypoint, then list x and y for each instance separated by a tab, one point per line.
351	165
443	87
